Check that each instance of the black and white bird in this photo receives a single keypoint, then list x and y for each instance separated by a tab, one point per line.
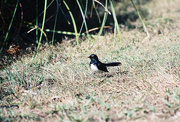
97	65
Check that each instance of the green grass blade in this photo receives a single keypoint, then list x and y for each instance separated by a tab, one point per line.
144	26
7	34
115	20
57	9
96	12
73	21
60	32
46	8
104	21
43	22
37	21
84	19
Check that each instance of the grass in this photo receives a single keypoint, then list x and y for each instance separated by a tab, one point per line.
59	85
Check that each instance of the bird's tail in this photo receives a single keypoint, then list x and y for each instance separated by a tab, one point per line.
113	64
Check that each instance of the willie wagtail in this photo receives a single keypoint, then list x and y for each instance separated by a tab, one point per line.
96	65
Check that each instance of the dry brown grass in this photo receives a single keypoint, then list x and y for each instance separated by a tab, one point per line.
59	85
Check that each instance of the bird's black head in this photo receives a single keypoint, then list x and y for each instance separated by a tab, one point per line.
93	56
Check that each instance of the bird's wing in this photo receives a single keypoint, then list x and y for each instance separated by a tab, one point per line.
102	67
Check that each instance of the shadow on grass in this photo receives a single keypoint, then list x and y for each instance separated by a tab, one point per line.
9	106
108	75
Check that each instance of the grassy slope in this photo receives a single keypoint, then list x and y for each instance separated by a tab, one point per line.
145	87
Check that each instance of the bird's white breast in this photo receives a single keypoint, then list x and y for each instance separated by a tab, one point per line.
94	67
